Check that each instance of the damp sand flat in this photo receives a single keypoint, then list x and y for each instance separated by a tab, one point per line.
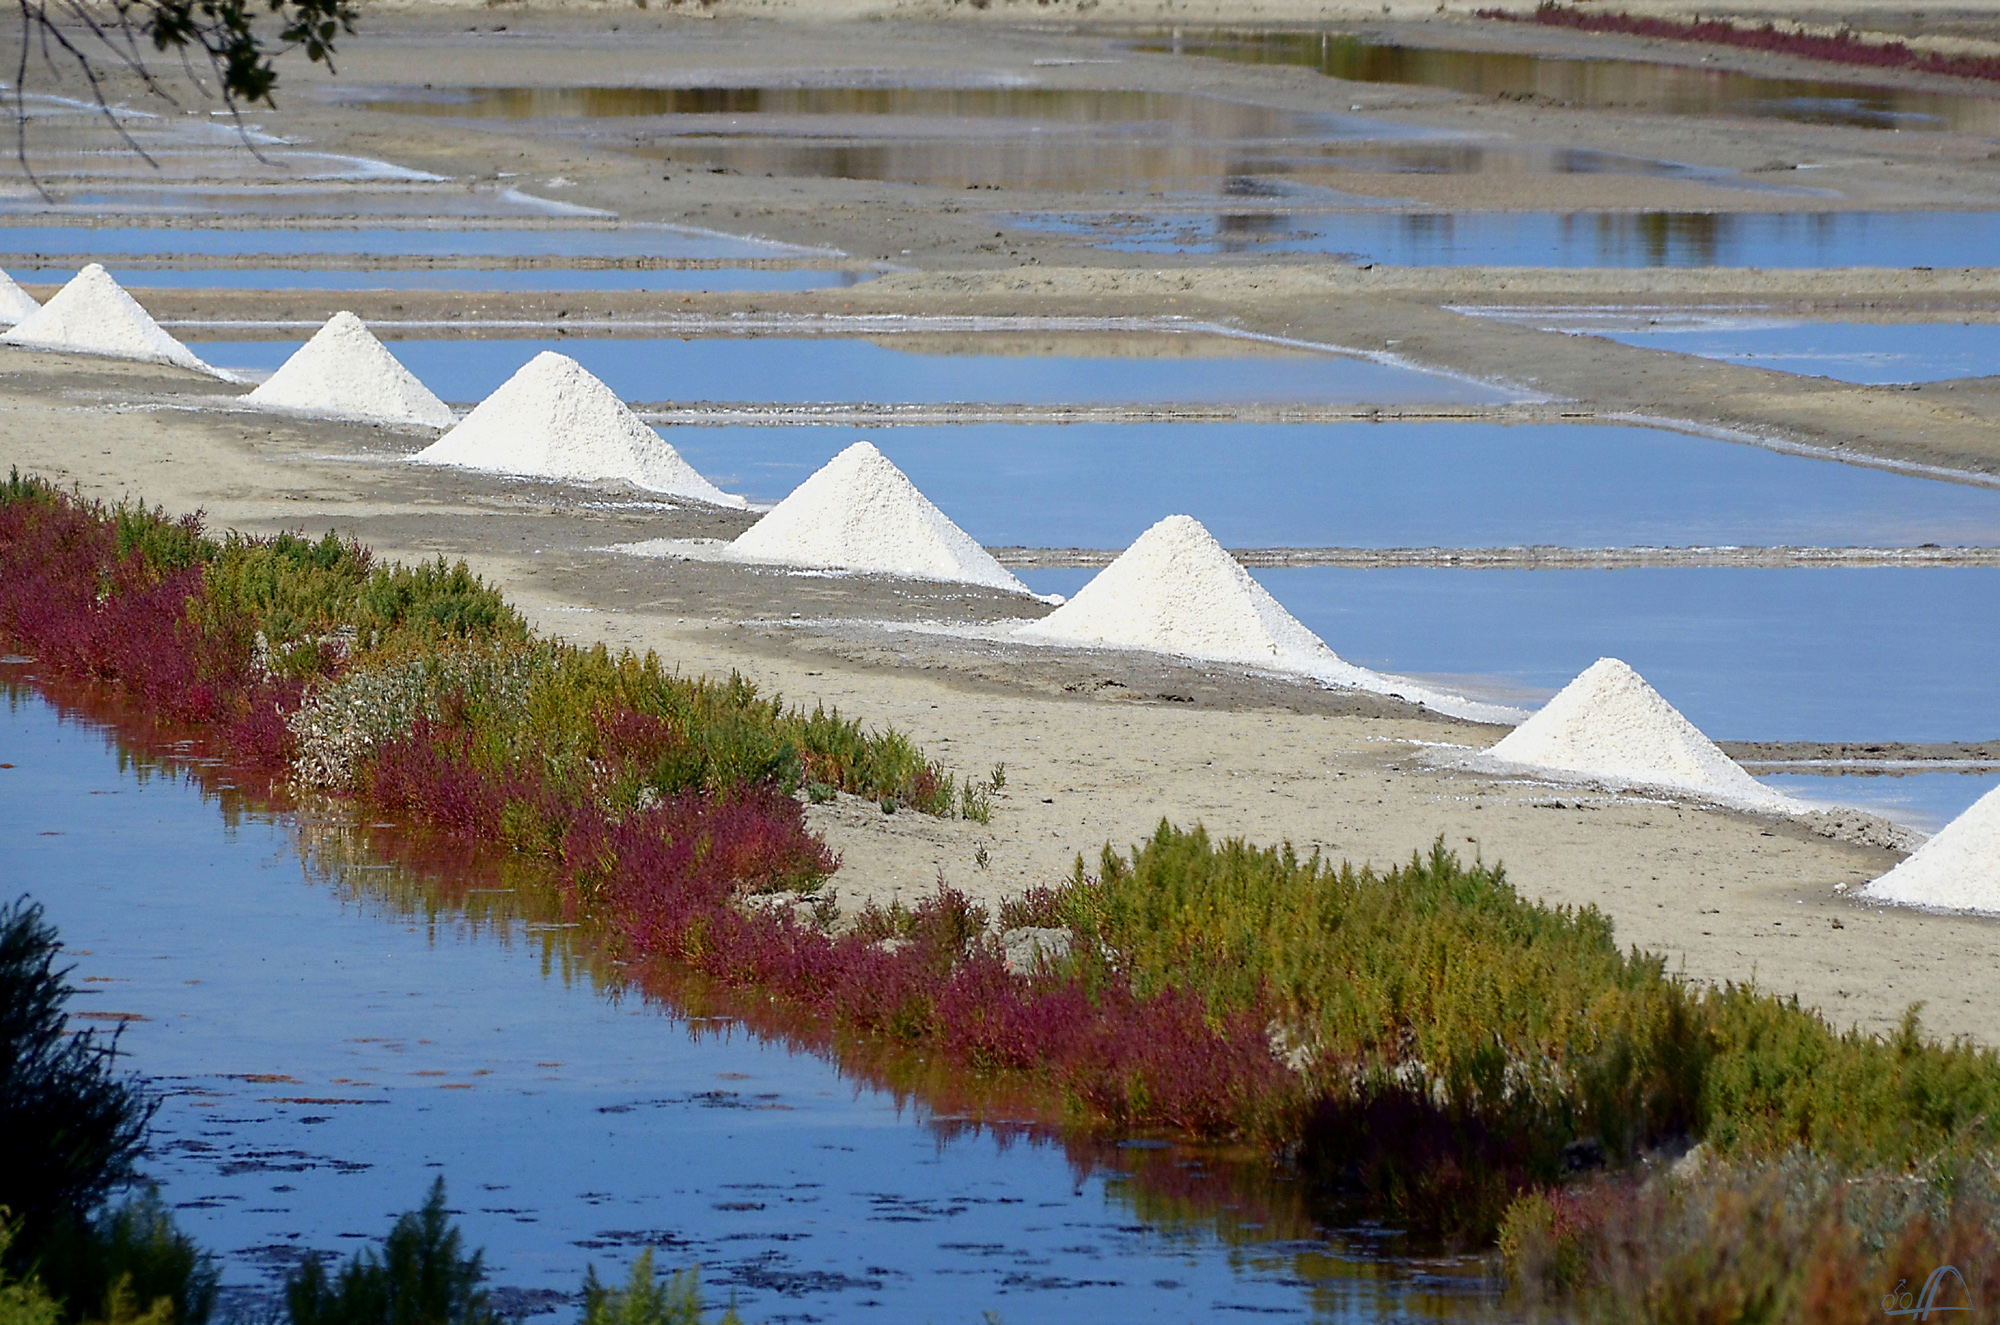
1922	239
1099	485
326	1052
1746	654
918	370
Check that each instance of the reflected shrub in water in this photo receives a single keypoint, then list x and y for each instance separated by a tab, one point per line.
1793	1238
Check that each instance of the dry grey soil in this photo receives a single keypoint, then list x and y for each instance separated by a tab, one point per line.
1097	747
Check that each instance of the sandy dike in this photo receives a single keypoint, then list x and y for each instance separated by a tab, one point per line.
1097	747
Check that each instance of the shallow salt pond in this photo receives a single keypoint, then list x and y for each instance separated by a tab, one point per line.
468	240
461	278
1412	484
1870	353
916	368
1924	801
332	1032
1923	239
1748	654
1596	84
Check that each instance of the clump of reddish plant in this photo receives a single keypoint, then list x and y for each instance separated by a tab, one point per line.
1840	47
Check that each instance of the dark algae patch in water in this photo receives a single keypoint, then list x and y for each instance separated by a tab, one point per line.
1420	1040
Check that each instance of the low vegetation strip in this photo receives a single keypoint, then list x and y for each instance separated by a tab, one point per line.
1423	1037
1840	47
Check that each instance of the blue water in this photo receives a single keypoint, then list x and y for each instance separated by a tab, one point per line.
1869	353
397	1042
467	240
1755	655
1369	485
1924	801
1552	239
458	278
781	369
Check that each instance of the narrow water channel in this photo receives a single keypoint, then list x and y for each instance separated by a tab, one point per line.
332	1028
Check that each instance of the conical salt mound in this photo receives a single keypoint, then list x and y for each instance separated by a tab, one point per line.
859	512
554	420
94	315
15	303
343	372
1176	590
1957	870
1608	723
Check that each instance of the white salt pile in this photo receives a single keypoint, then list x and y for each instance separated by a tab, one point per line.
552	419
343	372
859	512
15	303
1177	590
1958	870
1609	723
94	315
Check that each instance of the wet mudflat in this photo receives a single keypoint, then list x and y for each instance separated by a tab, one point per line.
1430	238
1593	84
1746	654
1402	484
332	1030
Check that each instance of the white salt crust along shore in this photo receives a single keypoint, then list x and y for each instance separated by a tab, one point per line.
1178	591
16	304
93	315
859	512
1610	726
552	419
343	372
1957	870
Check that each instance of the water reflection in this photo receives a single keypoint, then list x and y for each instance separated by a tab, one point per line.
1553	239
338	1008
1078	139
1596	84
1748	654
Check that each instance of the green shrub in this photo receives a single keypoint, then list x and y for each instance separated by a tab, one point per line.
131	1252
72	1126
649	1300
421	1276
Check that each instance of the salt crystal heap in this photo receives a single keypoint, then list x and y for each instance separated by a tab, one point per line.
1176	590
16	304
94	315
859	512
552	419
343	372
1957	870
1609	724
